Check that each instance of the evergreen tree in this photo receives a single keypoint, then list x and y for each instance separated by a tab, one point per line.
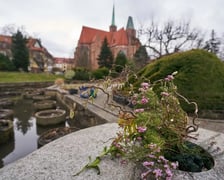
120	62
140	57
213	44
20	51
105	58
5	63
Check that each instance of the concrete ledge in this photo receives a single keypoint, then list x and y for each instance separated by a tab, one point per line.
64	157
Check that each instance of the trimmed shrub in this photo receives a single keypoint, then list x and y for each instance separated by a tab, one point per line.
200	77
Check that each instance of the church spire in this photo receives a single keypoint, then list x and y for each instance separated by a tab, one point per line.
113	17
130	24
113	27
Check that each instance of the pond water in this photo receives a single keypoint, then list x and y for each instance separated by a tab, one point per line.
26	133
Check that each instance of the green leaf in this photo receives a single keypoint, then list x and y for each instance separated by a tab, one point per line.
91	165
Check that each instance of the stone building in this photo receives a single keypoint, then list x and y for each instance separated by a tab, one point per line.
90	42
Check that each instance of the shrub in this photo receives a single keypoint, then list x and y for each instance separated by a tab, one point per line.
82	74
69	74
100	73
200	77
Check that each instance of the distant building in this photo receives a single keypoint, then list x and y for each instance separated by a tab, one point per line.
40	59
63	64
90	42
5	45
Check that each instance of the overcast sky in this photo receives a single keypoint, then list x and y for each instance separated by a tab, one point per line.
58	23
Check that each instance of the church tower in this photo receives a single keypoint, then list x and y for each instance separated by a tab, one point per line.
113	27
131	32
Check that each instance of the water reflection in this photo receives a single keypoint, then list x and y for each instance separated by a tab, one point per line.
6	149
26	133
23	110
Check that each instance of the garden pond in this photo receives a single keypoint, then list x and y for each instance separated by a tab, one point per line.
27	132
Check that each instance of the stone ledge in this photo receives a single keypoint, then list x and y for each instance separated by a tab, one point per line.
64	157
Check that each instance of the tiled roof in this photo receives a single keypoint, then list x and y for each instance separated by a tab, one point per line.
6	39
88	35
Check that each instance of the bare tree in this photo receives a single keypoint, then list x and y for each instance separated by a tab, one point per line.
171	37
213	44
11	29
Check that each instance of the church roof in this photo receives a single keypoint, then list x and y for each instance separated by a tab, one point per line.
88	36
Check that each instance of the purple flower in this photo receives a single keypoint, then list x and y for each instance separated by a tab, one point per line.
162	158
169	173
157	172
169	78
139	110
174	165
152	156
144	100
147	163
141	129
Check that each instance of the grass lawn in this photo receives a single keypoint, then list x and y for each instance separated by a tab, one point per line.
14	77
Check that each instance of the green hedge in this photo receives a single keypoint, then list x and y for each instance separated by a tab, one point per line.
200	77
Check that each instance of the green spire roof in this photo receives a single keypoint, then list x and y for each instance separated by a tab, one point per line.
130	24
113	17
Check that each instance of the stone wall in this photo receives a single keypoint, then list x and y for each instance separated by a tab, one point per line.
14	89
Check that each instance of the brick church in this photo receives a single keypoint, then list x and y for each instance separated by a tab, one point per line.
91	39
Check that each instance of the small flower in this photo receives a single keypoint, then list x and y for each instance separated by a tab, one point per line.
139	110
169	173
157	172
162	158
164	93
169	78
145	85
152	156
174	165
133	102
141	129
142	89
147	163
144	100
